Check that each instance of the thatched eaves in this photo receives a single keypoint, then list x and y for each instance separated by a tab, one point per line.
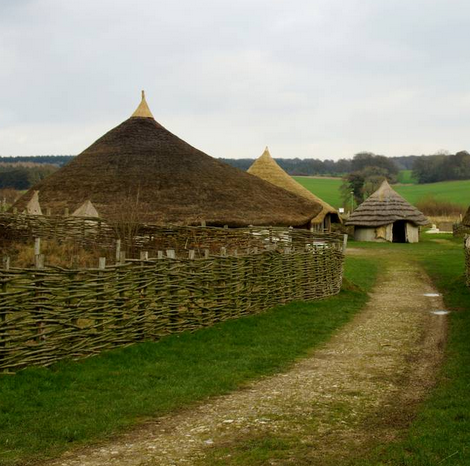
384	207
266	168
139	171
466	219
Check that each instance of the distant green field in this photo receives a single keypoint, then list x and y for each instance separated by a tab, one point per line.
324	188
457	192
406	176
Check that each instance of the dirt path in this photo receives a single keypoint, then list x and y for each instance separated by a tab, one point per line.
363	384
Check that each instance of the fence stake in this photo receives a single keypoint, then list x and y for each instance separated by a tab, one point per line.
159	254
118	250
223	251
345	242
206	253
6	262
144	255
170	253
122	257
37	246
192	254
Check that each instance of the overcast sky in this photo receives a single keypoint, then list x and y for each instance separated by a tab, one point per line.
308	78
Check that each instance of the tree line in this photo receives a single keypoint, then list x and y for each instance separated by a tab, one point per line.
361	172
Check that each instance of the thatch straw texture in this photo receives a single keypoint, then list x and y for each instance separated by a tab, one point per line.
141	171
466	219
266	168
384	207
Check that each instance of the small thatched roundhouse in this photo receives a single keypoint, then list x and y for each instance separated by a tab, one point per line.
466	219
386	216
266	168
139	171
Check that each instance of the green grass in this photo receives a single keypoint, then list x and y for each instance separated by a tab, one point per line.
46	411
456	192
325	188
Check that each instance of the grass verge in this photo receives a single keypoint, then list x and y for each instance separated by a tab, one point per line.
46	411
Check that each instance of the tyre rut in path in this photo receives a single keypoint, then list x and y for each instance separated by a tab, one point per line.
363	384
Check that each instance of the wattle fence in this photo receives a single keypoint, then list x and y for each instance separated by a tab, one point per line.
49	314
467	258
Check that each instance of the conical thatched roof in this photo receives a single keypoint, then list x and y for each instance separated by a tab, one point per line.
383	207
466	219
141	171
266	168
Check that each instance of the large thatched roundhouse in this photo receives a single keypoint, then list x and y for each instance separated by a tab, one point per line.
386	216
266	168
140	171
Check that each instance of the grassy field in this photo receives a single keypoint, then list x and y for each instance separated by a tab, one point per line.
46	411
457	192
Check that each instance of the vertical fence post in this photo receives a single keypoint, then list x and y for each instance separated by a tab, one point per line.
101	267
3	315
345	242
39	264
118	250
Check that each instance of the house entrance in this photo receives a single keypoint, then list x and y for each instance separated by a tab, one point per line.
399	232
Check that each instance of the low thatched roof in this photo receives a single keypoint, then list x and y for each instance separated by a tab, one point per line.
140	171
266	168
466	219
383	207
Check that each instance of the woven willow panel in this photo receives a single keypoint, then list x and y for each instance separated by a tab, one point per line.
135	238
50	314
467	259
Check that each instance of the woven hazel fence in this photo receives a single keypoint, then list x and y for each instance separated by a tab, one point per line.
49	314
467	258
134	238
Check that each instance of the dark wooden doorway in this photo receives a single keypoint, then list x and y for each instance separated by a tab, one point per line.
399	231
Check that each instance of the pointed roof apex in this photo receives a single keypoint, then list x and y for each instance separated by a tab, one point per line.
142	110
266	153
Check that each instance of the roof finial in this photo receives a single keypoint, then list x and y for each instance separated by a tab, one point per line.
143	110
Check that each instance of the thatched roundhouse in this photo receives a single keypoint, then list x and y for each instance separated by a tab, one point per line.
386	216
266	168
466	219
140	171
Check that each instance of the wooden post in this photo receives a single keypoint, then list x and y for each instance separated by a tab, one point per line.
101	267
48	212
223	251
118	250
159	254
144	256
203	223
66	212
192	254
345	242
206	253
37	246
39	261
6	262
170	253
39	264
122	257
